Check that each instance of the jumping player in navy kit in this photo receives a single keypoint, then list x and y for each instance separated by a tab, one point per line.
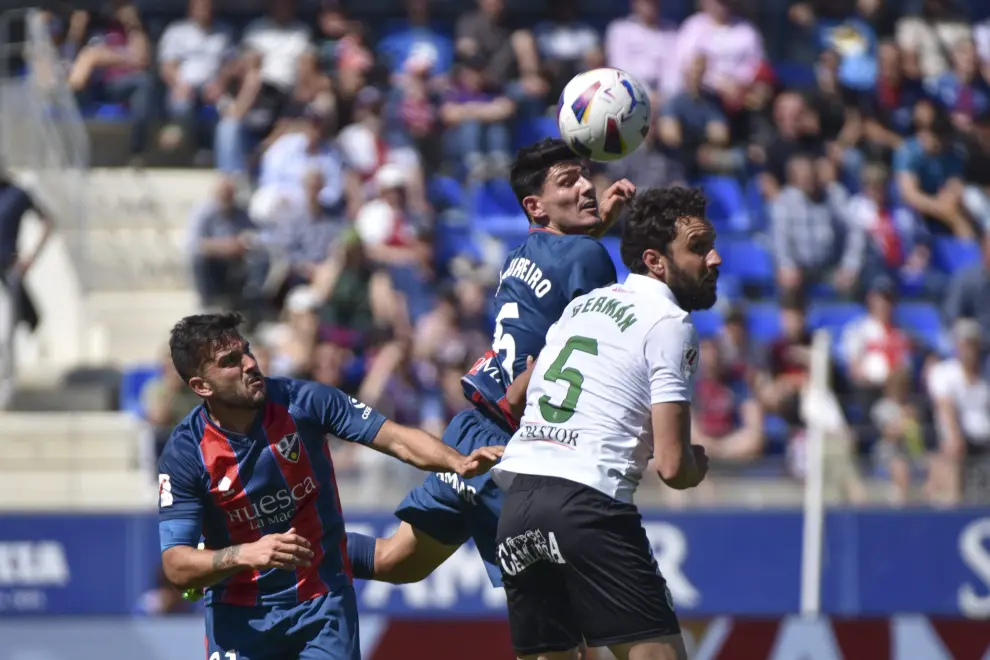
560	260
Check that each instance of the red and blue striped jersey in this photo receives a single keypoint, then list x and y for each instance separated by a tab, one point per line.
231	489
539	279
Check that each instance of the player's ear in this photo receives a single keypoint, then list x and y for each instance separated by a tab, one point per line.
655	262
533	206
201	387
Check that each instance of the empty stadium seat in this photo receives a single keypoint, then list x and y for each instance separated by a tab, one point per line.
833	316
747	259
726	204
921	321
532	130
494	209
132	384
763	322
611	244
708	322
950	254
445	192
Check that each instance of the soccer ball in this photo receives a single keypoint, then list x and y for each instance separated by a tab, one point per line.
604	114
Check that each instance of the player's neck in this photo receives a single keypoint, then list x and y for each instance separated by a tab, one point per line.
236	420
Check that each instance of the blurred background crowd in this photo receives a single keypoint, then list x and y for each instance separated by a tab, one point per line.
362	212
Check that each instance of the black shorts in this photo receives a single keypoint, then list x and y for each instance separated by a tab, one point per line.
577	565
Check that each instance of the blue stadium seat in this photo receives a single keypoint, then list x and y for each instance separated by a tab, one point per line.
777	433
833	316
950	254
708	322
921	321
729	287
747	259
792	75
535	129
493	209
726	204
111	112
763	322
445	192
132	382
756	206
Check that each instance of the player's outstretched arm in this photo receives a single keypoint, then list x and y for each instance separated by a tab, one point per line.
680	464
192	568
422	450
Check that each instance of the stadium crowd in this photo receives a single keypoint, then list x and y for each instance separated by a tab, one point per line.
362	214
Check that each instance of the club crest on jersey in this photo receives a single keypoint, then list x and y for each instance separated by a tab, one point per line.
689	361
288	447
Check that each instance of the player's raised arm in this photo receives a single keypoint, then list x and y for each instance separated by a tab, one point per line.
671	352
180	515
349	419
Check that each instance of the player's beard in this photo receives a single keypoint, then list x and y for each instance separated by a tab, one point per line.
241	400
691	293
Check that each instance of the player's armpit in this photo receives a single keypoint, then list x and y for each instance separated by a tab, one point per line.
673	453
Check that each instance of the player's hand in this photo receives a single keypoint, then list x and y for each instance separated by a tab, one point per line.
479	461
612	201
287	550
701	461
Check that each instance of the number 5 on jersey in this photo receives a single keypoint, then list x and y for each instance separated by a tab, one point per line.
503	340
558	414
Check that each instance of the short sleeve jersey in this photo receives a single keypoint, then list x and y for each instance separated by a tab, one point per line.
614	353
231	489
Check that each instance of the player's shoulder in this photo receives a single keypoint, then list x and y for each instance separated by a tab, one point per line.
301	397
183	445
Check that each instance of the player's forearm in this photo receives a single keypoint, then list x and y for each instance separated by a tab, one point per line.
191	568
417	448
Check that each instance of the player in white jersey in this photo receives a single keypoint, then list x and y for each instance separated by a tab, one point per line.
610	391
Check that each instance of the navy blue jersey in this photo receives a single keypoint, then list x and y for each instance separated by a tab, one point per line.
232	489
538	280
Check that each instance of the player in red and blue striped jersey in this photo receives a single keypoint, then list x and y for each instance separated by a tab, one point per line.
560	260
250	470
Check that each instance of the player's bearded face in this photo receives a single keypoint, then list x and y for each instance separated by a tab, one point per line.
237	381
692	268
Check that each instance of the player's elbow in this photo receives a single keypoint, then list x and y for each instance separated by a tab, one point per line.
176	569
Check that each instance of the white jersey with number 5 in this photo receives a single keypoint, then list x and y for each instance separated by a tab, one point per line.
614	353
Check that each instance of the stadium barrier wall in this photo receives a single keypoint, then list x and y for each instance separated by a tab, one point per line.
876	563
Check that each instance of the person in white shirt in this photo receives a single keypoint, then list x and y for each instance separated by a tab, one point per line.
961	395
611	391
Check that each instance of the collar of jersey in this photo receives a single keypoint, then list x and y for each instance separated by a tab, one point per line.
649	285
234	436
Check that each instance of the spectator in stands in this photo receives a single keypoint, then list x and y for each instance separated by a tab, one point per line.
901	445
849	33
280	39
732	47
511	56
976	194
165	401
968	295
929	175
888	110
813	239
873	347
692	125
961	395
289	158
354	297
741	358
346	55
397	239
413	110
961	90
795	131
646	46
228	269
779	386
651	166
476	115
728	421
926	39
371	142
113	67
194	56
898	242
415	36
312	233
567	45
840	127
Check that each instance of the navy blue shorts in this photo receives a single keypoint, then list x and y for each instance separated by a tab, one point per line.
324	628
453	510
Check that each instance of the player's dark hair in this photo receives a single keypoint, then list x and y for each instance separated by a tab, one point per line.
196	339
532	164
652	222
